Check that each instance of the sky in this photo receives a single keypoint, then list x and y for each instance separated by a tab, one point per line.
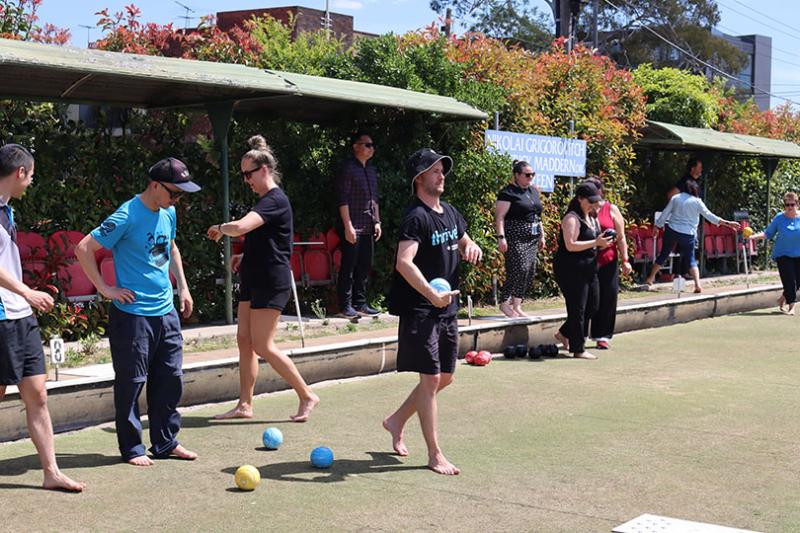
779	19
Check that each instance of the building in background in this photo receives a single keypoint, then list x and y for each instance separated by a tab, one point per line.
301	19
755	78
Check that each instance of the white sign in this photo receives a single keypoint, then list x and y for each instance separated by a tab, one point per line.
57	356
548	156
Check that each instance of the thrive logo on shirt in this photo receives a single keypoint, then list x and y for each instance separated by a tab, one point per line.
139	239
444	237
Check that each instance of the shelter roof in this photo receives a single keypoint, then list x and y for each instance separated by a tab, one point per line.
55	73
664	136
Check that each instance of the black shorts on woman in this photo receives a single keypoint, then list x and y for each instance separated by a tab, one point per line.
265	270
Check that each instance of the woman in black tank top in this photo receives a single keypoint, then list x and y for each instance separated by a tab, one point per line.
575	265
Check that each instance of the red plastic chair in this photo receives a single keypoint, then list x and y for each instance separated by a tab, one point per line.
317	267
297	269
710	248
74	281
107	271
31	245
316	236
337	259
33	271
729	244
333	240
65	242
101	254
237	245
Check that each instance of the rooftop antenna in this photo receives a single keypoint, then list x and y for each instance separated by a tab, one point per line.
88	32
186	18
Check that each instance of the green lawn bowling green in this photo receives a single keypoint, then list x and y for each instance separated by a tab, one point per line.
696	421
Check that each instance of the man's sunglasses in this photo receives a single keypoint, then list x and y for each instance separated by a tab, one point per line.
173	195
368	145
247	174
789	205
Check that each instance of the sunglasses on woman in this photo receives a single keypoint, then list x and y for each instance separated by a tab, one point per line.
247	174
789	205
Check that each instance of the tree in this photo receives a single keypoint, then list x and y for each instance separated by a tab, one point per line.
503	19
629	29
625	27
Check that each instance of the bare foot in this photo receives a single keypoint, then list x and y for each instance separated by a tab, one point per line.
562	339
305	408
397	437
507	310
182	453
242	410
649	281
782	303
520	313
59	481
585	355
141	460
698	290
439	464
790	310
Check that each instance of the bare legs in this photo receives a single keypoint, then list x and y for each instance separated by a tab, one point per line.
248	367
516	305
257	337
693	271
33	393
512	308
653	272
422	401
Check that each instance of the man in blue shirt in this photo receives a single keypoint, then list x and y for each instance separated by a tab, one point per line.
21	353
144	328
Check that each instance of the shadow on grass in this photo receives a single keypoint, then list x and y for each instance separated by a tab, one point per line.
207	421
18	466
763	313
381	462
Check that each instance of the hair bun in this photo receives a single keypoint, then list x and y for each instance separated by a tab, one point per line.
257	142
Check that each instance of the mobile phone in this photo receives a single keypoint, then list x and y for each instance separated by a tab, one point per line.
610	233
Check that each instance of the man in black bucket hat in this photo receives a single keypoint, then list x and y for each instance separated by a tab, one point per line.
432	240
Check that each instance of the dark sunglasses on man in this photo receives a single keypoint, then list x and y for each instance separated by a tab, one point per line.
173	195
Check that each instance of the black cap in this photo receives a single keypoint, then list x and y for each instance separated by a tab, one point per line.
171	170
589	191
422	160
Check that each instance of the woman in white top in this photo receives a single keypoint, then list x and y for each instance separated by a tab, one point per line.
683	214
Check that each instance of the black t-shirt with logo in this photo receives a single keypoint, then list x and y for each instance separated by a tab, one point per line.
268	248
526	206
437	257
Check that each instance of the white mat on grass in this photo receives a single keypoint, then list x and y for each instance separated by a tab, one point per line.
650	523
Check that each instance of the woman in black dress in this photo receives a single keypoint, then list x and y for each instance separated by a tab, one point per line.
575	265
266	283
518	221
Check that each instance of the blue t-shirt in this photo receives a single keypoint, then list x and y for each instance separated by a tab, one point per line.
140	240
787	241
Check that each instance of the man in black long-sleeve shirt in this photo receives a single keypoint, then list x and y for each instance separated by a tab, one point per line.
357	188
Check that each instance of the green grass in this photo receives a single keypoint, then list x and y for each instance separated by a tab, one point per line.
696	421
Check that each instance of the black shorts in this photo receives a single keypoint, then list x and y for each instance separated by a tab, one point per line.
265	298
21	352
427	345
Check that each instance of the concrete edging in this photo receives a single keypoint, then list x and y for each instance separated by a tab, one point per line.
80	403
